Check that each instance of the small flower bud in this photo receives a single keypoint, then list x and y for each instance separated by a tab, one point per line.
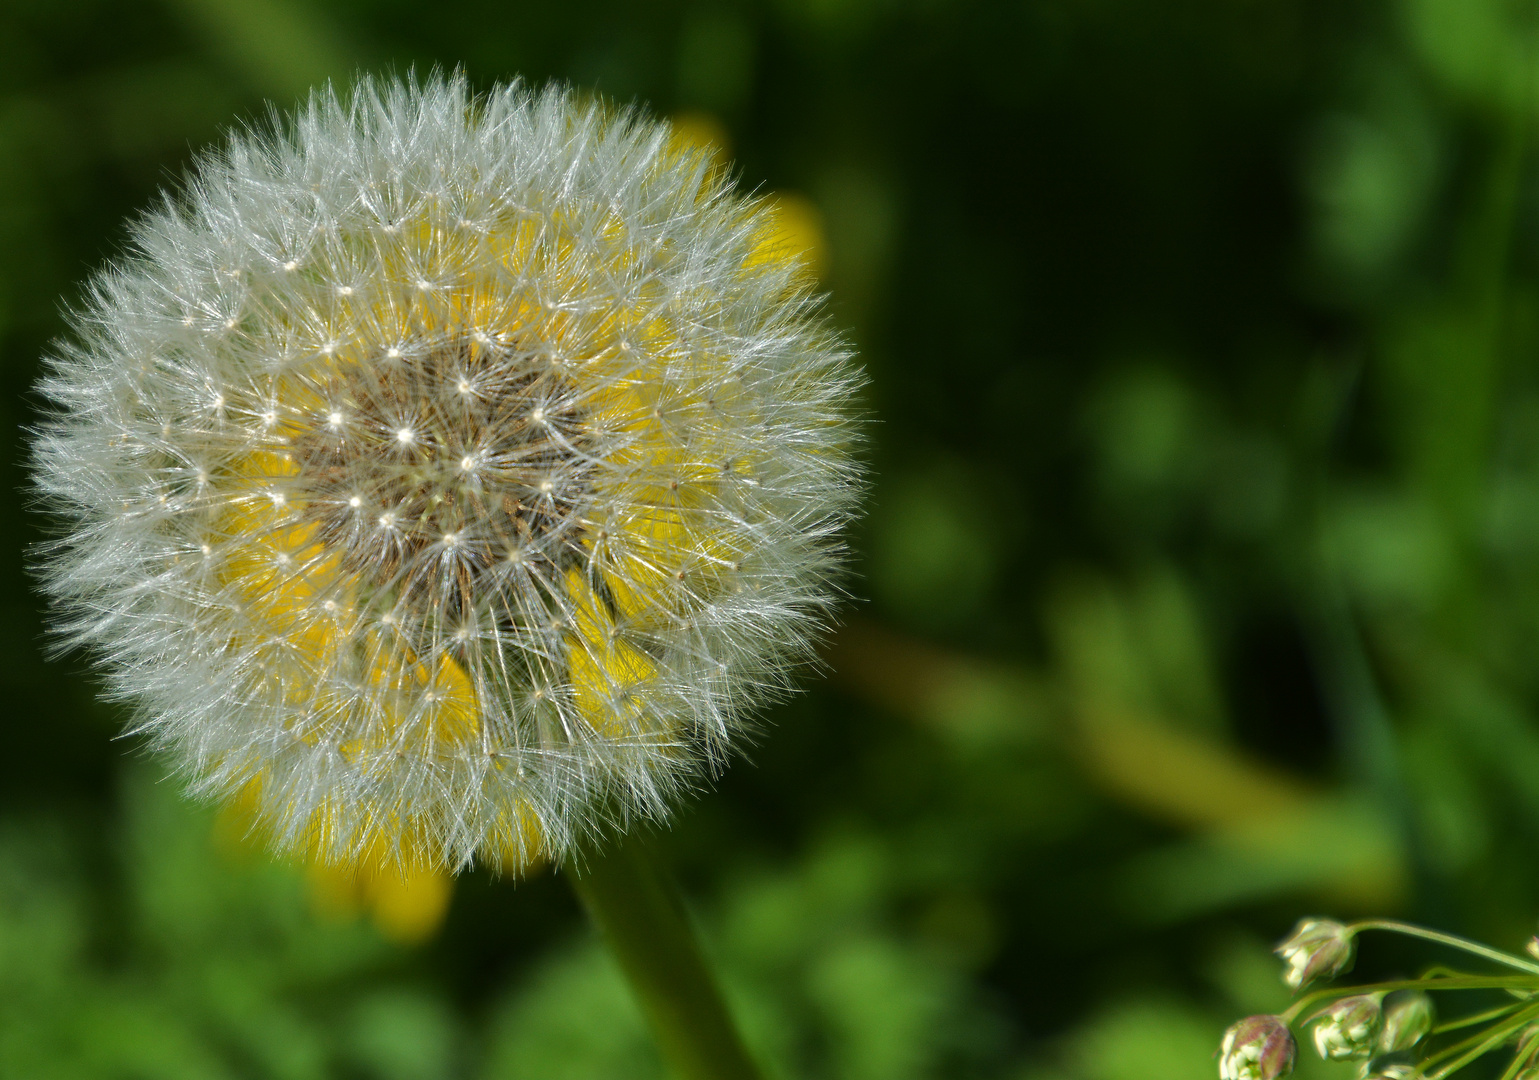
1348	1030
1407	1017
1317	949
1257	1048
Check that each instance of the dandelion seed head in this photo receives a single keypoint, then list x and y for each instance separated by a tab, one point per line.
604	530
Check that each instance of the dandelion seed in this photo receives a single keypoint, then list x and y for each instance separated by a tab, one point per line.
372	725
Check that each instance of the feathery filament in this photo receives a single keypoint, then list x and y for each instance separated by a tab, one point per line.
446	475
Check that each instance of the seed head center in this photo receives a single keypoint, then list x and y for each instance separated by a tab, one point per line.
452	480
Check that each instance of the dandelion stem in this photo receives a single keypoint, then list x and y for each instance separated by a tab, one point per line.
1411	930
638	909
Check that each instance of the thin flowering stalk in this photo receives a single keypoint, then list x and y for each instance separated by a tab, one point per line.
1479	1047
1499	1032
1474	1018
1456	982
1514	1067
1451	940
1439	971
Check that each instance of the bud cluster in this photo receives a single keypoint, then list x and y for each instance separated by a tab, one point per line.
1390	1028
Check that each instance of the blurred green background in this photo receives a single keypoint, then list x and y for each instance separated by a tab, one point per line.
1200	589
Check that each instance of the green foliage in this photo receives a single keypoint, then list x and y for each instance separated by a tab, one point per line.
1202	575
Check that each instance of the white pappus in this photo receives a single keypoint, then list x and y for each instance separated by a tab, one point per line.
446	476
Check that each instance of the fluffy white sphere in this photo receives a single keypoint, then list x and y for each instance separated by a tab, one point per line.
446	476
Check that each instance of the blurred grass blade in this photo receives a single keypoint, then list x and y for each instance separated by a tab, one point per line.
282	49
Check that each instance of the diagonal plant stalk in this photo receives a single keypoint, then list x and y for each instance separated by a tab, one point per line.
1478	1045
636	905
1517	983
1474	1018
1453	941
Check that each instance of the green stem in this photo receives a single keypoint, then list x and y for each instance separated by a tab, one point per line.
638	909
1457	982
1474	1018
1480	1042
1412	930
1496	1035
1515	1066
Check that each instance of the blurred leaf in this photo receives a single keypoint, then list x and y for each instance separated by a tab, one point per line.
1142	651
862	212
1146	424
154	108
401	1035
933	550
1390	550
573	1020
883	1005
972	704
1484	49
1144	1039
282	48
1371	175
1344	850
715	60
